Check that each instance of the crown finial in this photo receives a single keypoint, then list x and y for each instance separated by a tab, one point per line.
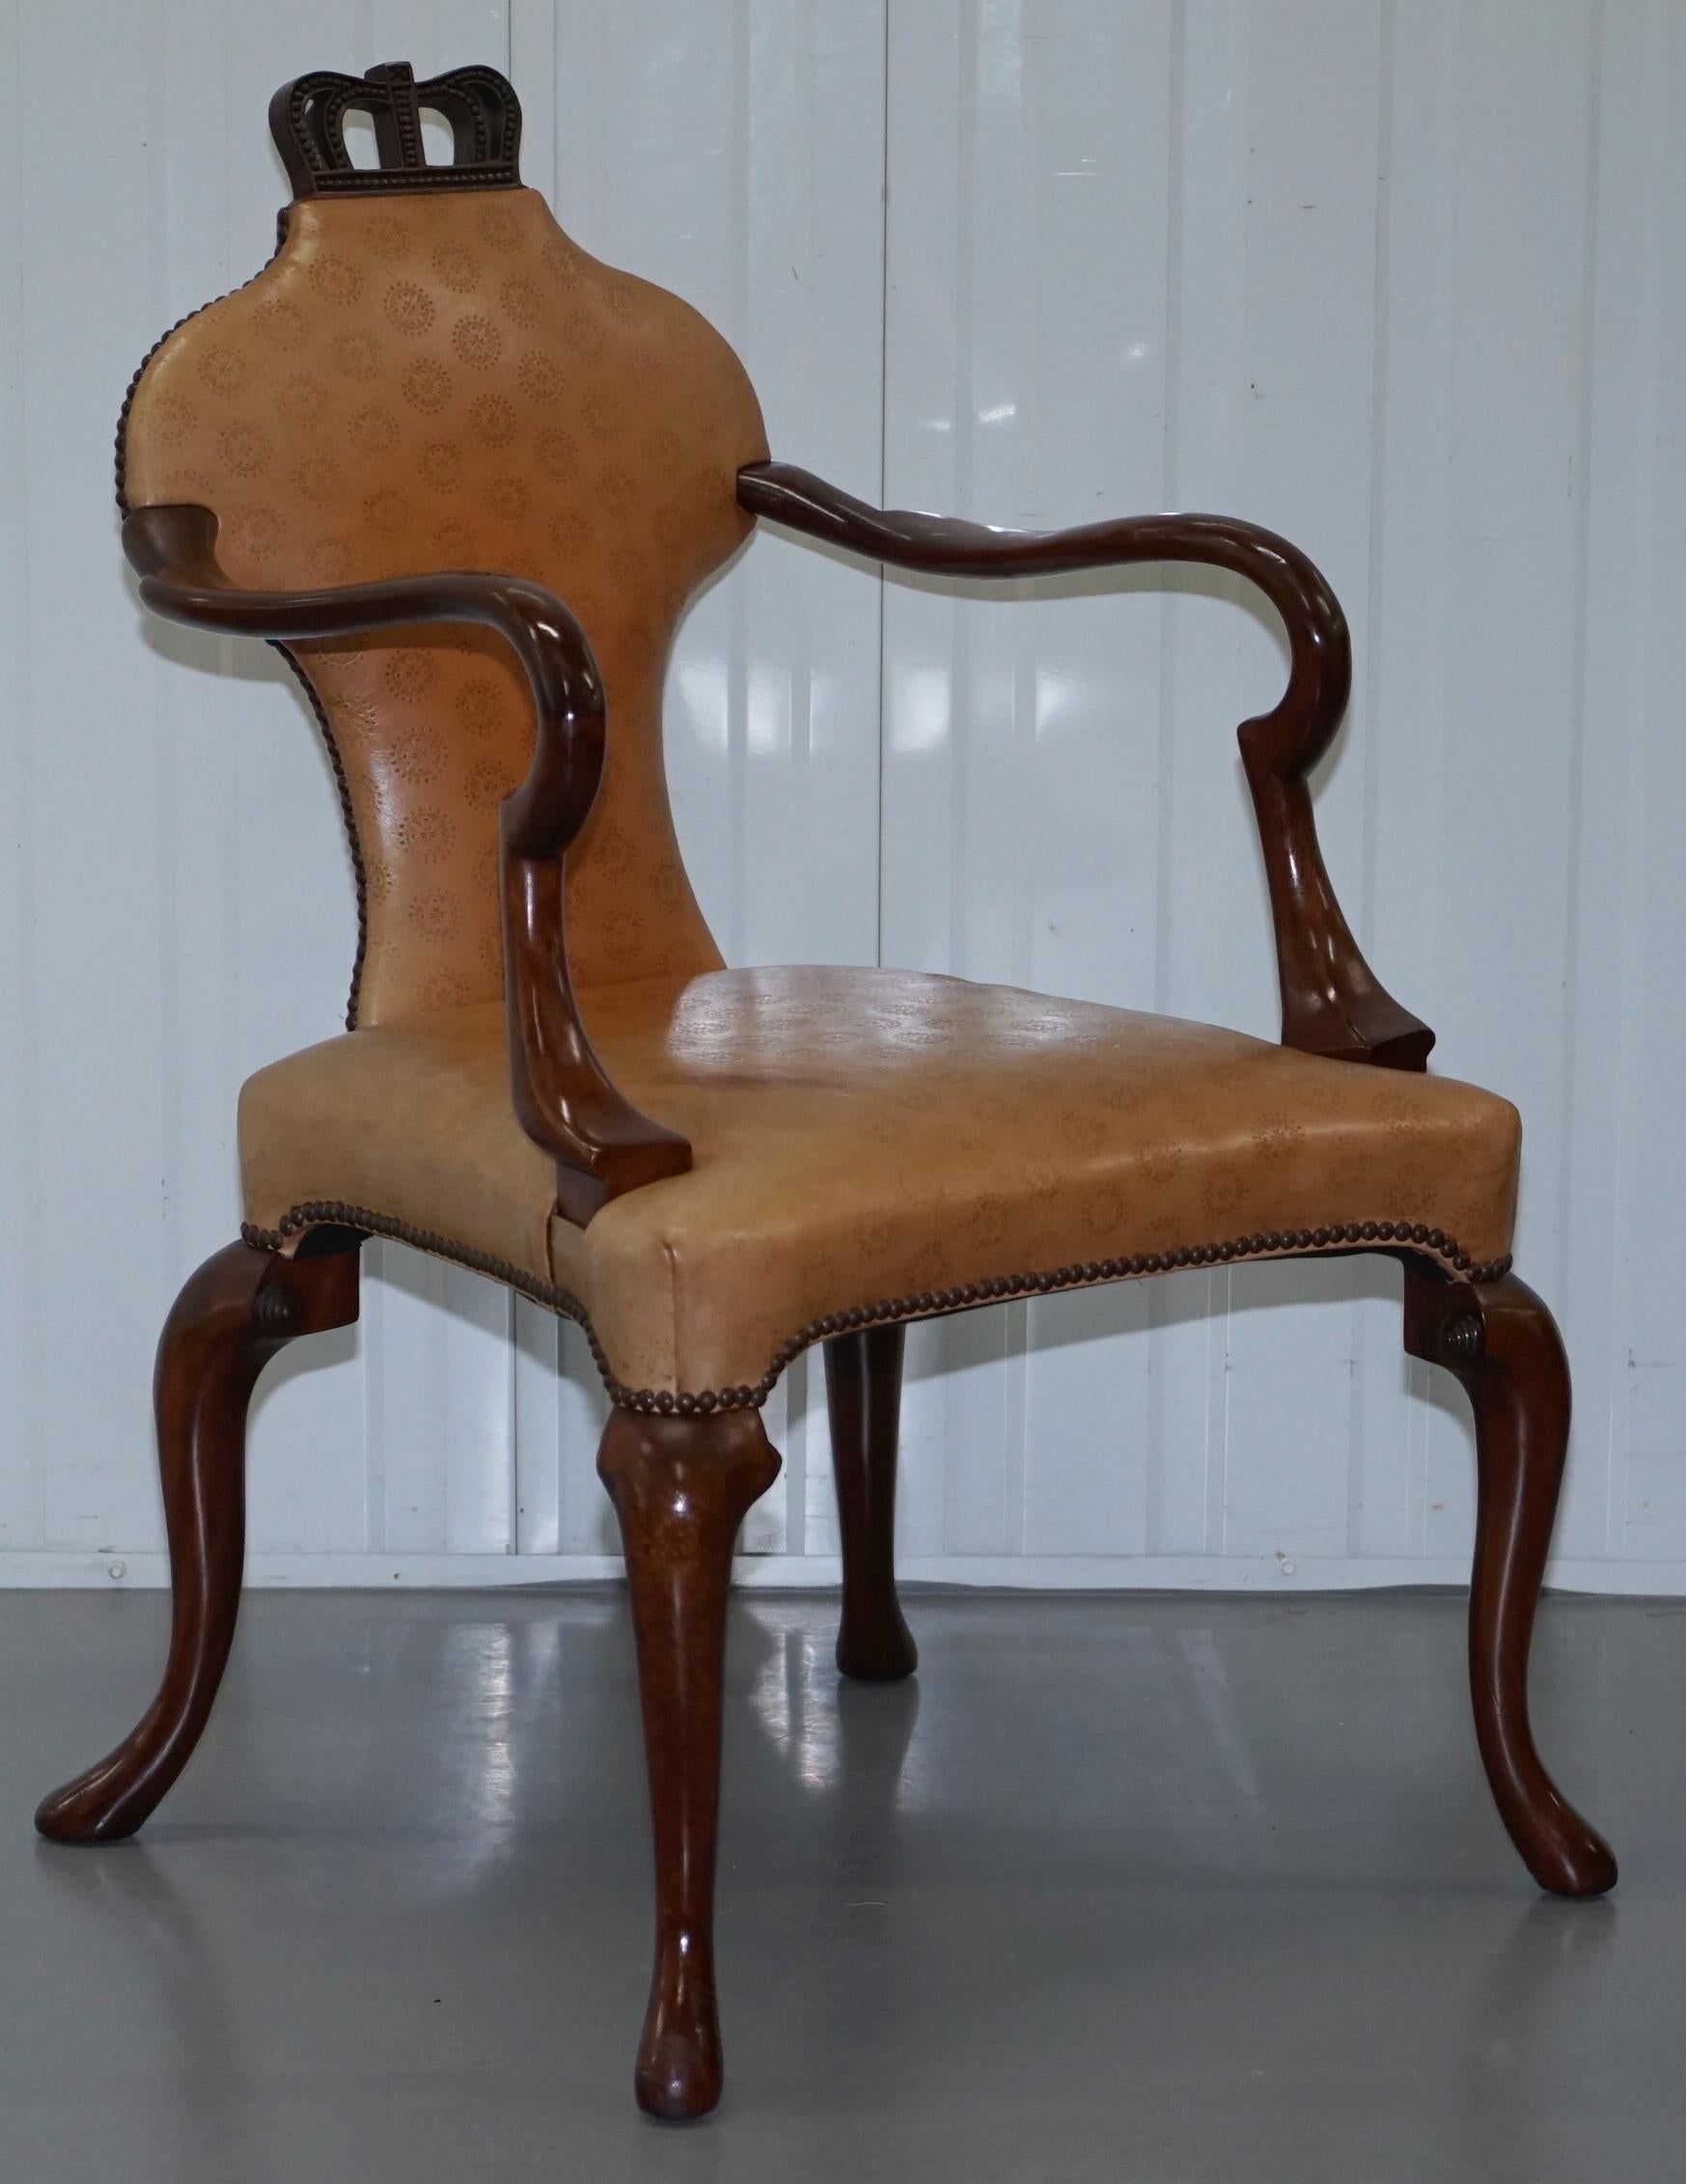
306	120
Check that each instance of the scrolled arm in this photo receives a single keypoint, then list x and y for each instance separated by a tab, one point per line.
1332	1003
563	1097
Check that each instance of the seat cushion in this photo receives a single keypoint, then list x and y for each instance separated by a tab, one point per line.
871	1144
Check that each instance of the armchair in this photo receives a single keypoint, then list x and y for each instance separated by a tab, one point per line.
467	477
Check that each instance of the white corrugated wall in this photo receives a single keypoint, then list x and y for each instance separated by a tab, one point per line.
1405	279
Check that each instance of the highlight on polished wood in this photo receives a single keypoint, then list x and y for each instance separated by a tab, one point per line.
550	1076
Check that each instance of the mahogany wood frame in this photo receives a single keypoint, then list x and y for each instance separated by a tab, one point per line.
307	117
680	1484
562	1094
1331	1002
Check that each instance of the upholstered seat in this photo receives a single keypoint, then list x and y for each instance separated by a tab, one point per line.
864	1142
470	478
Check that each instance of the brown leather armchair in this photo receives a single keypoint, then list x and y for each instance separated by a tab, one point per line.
467	477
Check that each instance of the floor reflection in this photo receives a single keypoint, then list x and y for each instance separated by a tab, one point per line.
1180	1888
1527	2002
826	1728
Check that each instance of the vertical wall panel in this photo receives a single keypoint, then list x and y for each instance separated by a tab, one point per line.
97	880
1026	281
1513	550
1302	387
195	917
733	150
22	1474
1618	366
1403	688
1212	954
1405	285
1631	1205
1402	278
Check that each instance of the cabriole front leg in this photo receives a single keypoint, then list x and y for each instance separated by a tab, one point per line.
1502	1342
680	1489
233	1315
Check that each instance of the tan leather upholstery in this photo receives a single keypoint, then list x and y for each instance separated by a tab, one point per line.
450	382
865	1136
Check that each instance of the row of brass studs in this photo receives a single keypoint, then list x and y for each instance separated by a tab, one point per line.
926	1304
316	1212
129	392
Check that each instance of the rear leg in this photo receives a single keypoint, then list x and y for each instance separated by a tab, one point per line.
863	1386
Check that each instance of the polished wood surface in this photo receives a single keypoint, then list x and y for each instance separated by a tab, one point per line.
1331	1002
862	1388
231	1318
563	1097
1502	1343
681	1487
683	1477
307	120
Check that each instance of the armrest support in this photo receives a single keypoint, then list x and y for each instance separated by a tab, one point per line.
563	1097
1332	1003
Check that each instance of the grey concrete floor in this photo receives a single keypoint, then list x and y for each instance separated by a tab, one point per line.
1150	1889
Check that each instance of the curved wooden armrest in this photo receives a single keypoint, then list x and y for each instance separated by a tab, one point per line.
564	1097
1332	1003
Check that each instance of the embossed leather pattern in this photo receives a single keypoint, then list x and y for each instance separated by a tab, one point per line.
450	382
865	1134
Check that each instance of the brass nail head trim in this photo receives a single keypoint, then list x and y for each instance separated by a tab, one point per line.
924	1304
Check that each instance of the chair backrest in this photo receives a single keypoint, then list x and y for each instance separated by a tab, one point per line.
429	374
